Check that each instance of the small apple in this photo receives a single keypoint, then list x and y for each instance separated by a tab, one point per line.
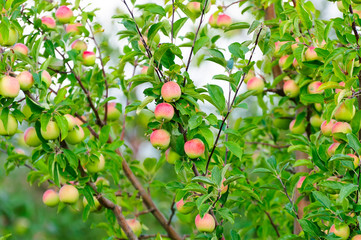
96	166
171	156
73	28
71	121
9	87
313	87
31	138
194	7
11	127
79	45
194	148
356	160
64	14
342	231
171	91
75	136
326	127
332	149
135	225
12	38
205	224
160	139
316	120
26	80
164	112
144	70
256	84
341	127
356	237
282	61
295	63
88	58
318	107
223	21
311	54
49	22
278	46
182	209
344	113
68	194
300	182
101	181
45	77
113	112
21	49
300	129
291	89
50	198
249	75
213	20
51	132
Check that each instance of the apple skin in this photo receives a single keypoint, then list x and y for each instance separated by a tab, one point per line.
300	129
144	70
342	231
223	188
26	80
64	14
9	87
249	75
12	38
341	127
205	224
291	89
113	113
79	45
51	132
71	121
98	166
164	112
171	91
326	127
295	63
213	20
31	138
75	136
101	181
45	77
316	120
68	194
278	46
256	84
282	61
313	87
318	107
51	198
21	48
88	58
356	160
196	7
300	182
160	139
171	156
184	210
135	225
73	28
332	149
311	55
224	21
49	22
356	237
194	148
342	113
97	206
12	126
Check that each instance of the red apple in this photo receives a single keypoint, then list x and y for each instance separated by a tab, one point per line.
342	84
68	194
135	225
51	132
9	87
171	91
282	61
256	84
213	20
31	138
311	54
291	89
356	160
194	148
45	77
300	182
341	127
332	149
182	209
205	224
160	138
49	22
326	127
164	112
313	87
64	14
50	198
79	45
20	48
26	80
88	58
278	46
73	28
342	231
356	237
144	70
223	21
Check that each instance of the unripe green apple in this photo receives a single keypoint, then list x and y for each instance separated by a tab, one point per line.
75	136
343	113
164	112
26	80
64	14
88	58
101	181
11	128
96	166
342	231
73	28
256	84
313	87
97	206
31	138
326	127
71	121
223	21
51	132
300	129
318	107
341	127
113	113
21	225
26	110
182	209
300	182
9	87
291	89
283	121
194	148
171	91
340	6
316	120
356	237
282	61
68	194
135	225
50	198
356	160
79	45
332	149
171	156
12	38
45	77
49	22
20	48
205	224
160	139
311	54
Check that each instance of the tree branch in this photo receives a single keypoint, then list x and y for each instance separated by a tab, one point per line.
288	196
272	223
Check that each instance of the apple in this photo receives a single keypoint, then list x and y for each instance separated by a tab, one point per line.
45	77
26	110
318	107
171	91
278	46
49	22
160	139
9	87
144	70
71	121
96	166
282	61
205	224
283	121
88	58
31	138
164	112
313	87
21	225
194	7
213	20
50	198
64	14
249	75
26	80
97	206
342	84
342	231
340	6
51	131
356	160
80	122
171	156
356	237
300	129
326	127
79	45
311	54
21	49
11	127
343	113
332	149
68	194
300	182
291	89
12	38
223	188
113	112
73	28
316	120
295	63
295	45
75	136
135	225
194	148
223	21
101	181
256	84
341	127
182	209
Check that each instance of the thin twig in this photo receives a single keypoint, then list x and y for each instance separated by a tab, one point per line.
288	196
225	7
272	223
172	31
172	211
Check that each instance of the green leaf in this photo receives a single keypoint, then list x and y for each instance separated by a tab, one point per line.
346	191
226	214
201	42
238	25
232	179
63	125
322	198
44	120
149	164
217	96
304	15
234	148
194	121
203	179
310	227
216	176
354	143
237	50
144	103
152	8
178	25
312	98
104	134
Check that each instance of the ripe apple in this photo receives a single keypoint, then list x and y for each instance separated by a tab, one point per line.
223	21
205	224
26	110
20	48
11	128
79	45
342	231
291	89
64	14
96	166
332	149
164	112
311	54
326	127
194	7
88	58
71	121
135	225
278	46
51	132
356	160
49	22
68	194
213	20
313	87
300	182
31	138
300	129
343	113
73	28
256	84
282	61
341	127
295	63
171	91
316	120
160	139
26	80
45	77
182	209
171	156
9	87
113	113
97	206
12	38
144	70
50	198
75	136
194	148
356	237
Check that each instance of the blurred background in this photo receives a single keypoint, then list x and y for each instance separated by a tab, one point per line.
22	212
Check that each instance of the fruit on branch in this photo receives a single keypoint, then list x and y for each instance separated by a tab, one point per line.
256	84
356	160
223	21
20	48
196	7
64	14
88	58
318	107
49	22
97	206
341	127
295	63
11	127
313	87
9	87
356	237
96	166
223	188
113	112
213	20
135	225
75	136
332	149
50	198
12	38
248	76
144	70
295	45
171	156
102	182
79	122
194	148
291	89
46	78
300	182
26	80
164	112
342	231
79	45
71	121
311	54
282	61
342	84
68	194
299	129
160	139
278	46
183	209
316	120
205	224
326	127
73	28
171	91
51	131
31	138
344	113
